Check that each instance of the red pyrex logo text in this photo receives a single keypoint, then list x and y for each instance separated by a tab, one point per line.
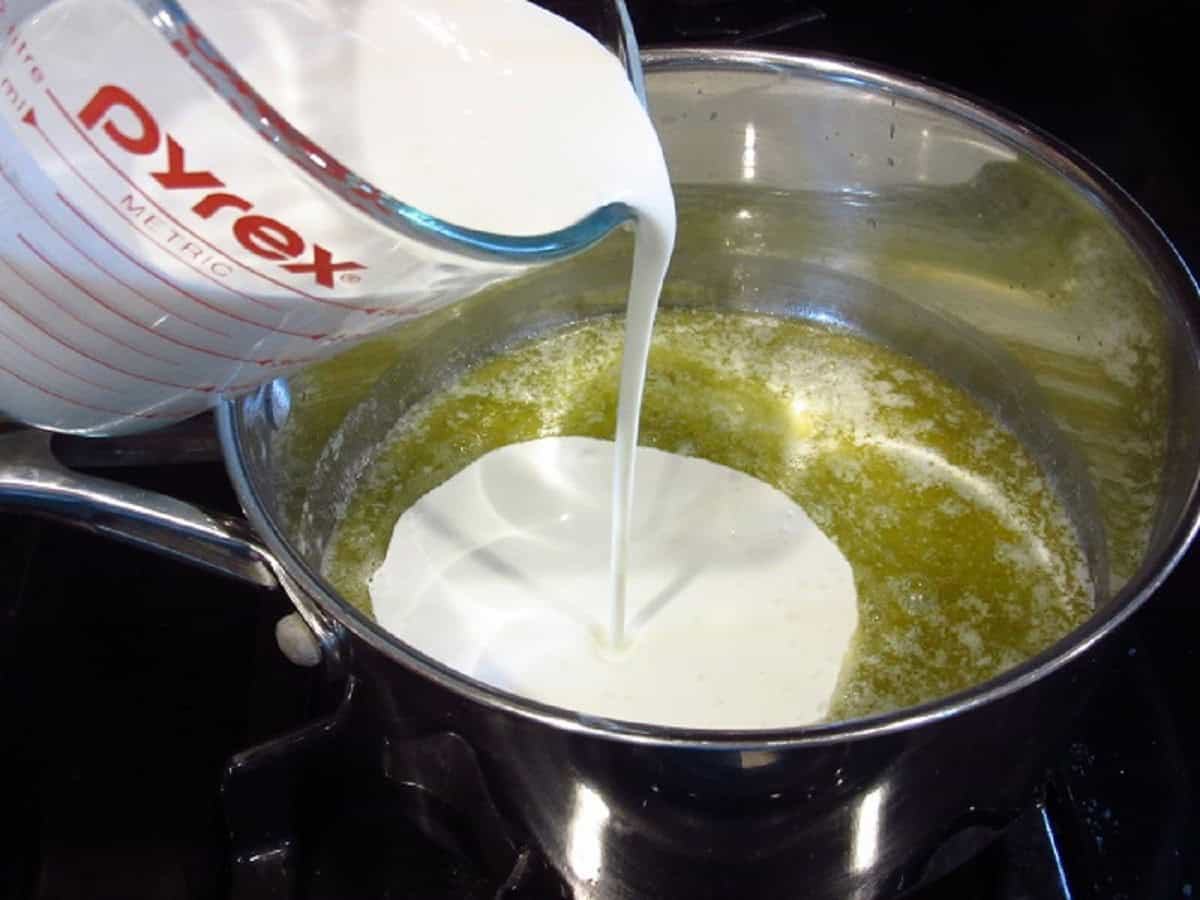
261	235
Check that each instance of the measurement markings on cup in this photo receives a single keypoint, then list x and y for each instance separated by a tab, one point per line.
74	348
264	236
102	268
25	348
75	401
154	331
189	294
139	225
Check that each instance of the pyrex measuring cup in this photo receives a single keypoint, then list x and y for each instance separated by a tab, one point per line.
166	235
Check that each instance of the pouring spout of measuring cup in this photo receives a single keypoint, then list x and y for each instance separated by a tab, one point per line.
612	26
530	250
189	216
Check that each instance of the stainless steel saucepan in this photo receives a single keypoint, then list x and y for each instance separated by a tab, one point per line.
812	188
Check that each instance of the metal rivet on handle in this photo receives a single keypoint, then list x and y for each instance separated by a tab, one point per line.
297	642
278	402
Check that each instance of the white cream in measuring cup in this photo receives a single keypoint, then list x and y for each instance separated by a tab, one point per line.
156	250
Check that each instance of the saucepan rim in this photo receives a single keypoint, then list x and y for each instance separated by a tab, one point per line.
1160	256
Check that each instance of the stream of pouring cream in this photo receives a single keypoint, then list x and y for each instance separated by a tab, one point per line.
704	598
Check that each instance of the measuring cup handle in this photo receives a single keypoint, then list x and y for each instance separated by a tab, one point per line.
32	479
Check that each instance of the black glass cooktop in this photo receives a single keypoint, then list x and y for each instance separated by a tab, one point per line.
128	683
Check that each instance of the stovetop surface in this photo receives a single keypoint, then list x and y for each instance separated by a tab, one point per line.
128	681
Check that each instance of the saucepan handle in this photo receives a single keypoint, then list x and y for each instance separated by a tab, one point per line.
33	480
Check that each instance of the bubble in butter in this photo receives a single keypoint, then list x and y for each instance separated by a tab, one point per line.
740	608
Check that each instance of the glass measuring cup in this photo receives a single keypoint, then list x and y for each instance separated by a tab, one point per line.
168	235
